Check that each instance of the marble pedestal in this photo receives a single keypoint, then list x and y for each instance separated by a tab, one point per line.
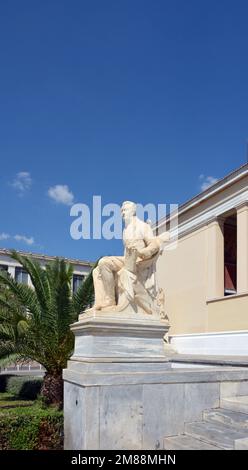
114	356
120	338
120	392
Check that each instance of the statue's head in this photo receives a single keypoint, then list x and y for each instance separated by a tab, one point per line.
128	209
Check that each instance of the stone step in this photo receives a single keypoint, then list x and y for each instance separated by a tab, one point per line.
183	442
234	419
215	434
235	403
241	444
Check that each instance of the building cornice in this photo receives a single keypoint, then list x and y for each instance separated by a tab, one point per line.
210	215
216	188
41	257
243	206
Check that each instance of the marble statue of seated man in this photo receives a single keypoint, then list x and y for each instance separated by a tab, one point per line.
128	283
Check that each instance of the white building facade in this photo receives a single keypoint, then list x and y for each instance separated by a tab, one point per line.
80	268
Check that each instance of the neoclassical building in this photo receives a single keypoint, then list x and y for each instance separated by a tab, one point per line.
204	273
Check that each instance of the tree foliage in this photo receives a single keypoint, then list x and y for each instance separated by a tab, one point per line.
35	320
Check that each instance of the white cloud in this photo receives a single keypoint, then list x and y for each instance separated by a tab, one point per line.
4	236
23	238
207	181
22	182
18	238
61	194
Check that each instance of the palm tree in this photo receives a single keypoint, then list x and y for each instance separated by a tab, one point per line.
35	321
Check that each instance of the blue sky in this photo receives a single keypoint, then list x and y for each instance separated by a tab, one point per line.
123	99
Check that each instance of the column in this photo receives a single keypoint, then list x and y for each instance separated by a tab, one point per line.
11	271
216	258
242	247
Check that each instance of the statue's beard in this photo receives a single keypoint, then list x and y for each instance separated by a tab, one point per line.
128	219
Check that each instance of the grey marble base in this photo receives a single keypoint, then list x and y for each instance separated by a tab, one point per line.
121	393
133	409
116	336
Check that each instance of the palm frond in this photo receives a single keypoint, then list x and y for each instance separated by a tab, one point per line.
24	294
84	296
38	277
12	358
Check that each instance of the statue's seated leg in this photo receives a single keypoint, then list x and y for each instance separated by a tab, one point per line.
104	281
99	289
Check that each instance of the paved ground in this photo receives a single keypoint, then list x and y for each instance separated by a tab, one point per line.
35	372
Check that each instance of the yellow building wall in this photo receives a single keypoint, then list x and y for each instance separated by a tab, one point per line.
182	273
228	314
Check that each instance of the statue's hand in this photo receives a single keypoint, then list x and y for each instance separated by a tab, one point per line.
134	250
130	259
141	254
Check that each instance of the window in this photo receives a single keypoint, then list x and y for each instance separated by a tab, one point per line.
21	275
77	281
3	267
230	255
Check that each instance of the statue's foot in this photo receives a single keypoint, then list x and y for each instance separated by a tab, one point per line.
88	311
103	306
97	307
108	305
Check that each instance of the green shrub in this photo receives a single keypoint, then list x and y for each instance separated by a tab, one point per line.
31	428
30	389
3	382
23	387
